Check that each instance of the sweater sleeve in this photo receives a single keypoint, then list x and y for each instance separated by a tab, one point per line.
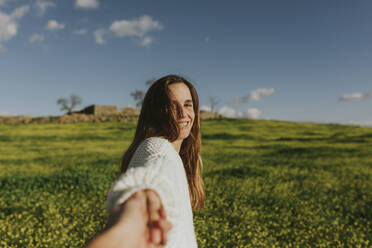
156	173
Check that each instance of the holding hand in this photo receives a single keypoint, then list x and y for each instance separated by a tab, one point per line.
140	222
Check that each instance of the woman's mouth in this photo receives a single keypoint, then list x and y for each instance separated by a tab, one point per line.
183	123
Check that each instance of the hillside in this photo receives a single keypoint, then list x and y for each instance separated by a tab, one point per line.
268	183
127	116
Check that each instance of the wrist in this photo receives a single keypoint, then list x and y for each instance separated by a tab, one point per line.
114	237
124	236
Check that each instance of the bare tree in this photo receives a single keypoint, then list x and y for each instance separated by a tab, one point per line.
213	102
150	81
138	96
69	104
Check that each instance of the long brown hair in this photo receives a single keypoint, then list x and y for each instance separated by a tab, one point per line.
158	118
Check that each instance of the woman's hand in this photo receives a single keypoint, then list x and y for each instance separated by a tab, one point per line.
153	223
156	215
140	222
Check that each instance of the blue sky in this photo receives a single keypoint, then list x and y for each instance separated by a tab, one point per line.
283	60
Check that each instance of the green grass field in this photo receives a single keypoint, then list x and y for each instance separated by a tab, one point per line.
268	183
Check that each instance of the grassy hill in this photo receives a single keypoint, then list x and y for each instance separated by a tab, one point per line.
268	183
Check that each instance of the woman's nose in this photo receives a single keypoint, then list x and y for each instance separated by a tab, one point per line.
182	112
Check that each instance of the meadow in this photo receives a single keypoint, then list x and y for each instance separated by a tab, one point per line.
268	183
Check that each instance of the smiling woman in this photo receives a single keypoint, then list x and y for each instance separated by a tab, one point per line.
164	158
181	98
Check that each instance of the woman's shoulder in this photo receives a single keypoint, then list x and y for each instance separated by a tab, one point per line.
153	150
153	146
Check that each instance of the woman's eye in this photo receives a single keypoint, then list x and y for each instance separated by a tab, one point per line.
188	105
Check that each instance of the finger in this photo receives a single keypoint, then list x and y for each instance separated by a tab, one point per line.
164	226
162	213
164	237
150	244
153	204
156	236
167	226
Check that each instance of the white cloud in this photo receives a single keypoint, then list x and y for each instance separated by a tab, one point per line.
205	108
98	35
253	96
8	27
20	12
36	38
251	113
53	25
145	42
228	112
86	4
9	24
81	31
43	6
136	27
356	96
361	123
2	2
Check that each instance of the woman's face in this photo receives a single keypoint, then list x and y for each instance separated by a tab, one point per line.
180	93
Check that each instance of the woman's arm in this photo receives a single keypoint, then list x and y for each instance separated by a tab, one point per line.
152	168
140	222
157	174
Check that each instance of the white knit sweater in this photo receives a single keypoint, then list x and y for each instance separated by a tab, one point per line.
157	165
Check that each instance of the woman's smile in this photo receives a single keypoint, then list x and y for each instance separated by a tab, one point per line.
183	123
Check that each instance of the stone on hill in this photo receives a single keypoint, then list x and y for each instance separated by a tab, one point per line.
130	111
205	115
100	110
